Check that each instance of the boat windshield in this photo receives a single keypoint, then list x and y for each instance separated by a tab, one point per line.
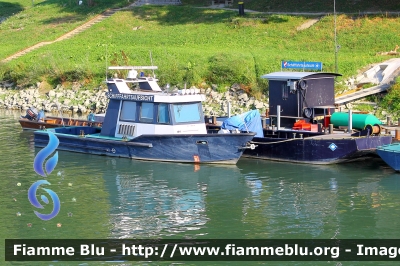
187	112
163	115
128	111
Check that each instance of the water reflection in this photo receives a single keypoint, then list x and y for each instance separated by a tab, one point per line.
151	199
122	198
256	199
144	208
339	201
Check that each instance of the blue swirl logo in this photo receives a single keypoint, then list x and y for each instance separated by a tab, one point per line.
49	167
32	198
44	153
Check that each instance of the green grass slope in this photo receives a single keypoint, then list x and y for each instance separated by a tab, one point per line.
343	6
28	24
190	45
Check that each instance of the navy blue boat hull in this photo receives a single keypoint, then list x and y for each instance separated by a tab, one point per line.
316	150
204	148
390	156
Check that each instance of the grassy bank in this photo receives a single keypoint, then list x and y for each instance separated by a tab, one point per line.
190	45
342	6
29	24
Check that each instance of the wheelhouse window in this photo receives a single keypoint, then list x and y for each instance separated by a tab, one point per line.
146	112
163	113
128	111
187	112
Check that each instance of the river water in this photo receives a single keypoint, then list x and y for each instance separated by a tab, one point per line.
104	197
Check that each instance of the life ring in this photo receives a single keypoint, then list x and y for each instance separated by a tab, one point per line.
302	84
308	112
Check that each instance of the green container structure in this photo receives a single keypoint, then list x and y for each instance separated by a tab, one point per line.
359	120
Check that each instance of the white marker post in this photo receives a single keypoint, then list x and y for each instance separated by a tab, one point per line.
278	117
350	125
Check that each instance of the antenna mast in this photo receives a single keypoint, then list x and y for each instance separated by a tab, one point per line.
151	59
106	62
336	45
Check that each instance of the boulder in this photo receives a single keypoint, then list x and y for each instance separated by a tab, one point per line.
243	96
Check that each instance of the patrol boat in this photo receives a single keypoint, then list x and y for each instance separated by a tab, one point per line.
144	122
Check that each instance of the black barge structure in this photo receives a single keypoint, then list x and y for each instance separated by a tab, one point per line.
300	130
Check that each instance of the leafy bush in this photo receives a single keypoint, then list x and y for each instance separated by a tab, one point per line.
227	69
3	70
17	74
364	108
172	73
192	75
391	102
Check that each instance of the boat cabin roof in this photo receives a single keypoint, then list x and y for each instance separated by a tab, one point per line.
148	89
294	75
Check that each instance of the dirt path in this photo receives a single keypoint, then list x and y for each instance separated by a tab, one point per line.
70	34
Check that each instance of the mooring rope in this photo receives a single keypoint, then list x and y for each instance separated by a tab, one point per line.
256	142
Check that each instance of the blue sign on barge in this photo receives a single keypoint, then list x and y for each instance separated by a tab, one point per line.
143	122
